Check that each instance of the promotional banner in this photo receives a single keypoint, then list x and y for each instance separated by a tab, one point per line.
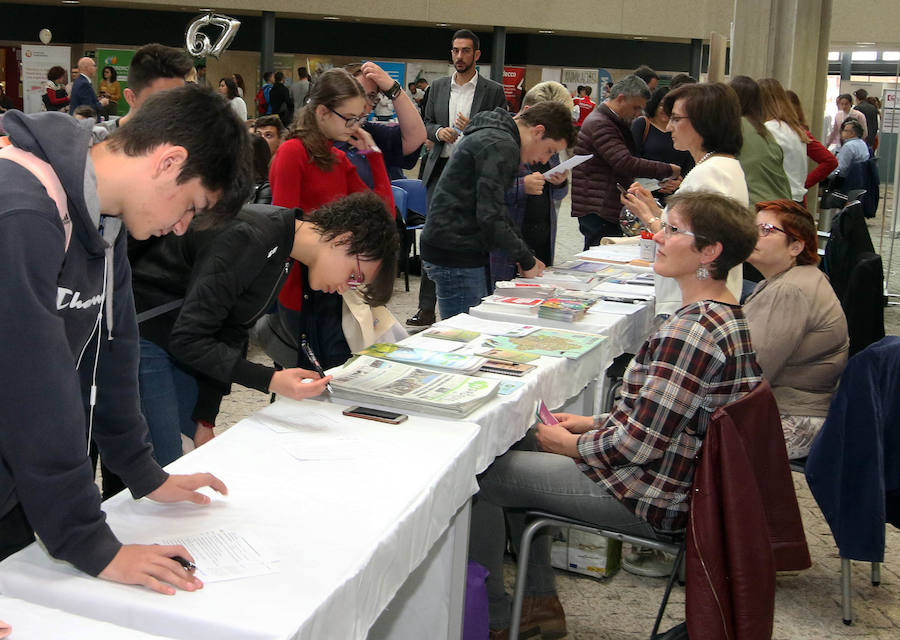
36	62
396	70
514	87
574	77
119	60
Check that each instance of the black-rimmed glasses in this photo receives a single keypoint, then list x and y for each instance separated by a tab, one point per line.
351	122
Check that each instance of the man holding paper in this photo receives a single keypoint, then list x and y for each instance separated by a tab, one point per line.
606	134
467	216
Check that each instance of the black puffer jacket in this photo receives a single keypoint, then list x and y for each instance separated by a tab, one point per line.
467	215
606	135
228	276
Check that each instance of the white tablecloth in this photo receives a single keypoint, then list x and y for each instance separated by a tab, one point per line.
347	531
34	622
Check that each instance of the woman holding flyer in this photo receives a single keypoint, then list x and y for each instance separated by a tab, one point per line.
631	469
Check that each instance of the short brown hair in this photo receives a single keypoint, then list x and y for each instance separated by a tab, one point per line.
555	117
717	218
714	112
798	224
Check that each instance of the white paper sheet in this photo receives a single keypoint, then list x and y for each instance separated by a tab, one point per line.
434	344
571	163
223	555
615	308
465	321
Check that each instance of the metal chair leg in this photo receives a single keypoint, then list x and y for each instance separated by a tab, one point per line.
846	608
676	569
876	574
521	569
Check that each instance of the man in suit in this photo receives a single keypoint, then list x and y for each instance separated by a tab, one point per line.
82	91
452	101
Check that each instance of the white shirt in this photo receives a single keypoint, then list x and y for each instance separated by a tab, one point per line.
715	175
240	107
794	162
461	96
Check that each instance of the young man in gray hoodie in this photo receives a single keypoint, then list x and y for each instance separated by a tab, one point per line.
68	326
467	217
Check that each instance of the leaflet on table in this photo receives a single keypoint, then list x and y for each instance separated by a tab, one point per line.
224	555
615	308
620	253
526	289
563	309
599	269
512	304
409	388
451	334
571	163
566	280
421	341
490	327
624	290
549	342
424	357
509	356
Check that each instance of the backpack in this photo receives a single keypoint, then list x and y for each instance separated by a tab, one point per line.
261	105
47	177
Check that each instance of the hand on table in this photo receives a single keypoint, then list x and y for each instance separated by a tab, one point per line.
288	383
183	488
534	272
555	438
574	423
534	183
152	566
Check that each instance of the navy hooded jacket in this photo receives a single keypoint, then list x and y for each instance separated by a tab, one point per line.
54	306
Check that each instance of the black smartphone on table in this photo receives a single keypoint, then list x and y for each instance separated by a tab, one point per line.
375	414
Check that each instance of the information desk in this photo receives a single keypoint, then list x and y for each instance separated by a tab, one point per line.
345	508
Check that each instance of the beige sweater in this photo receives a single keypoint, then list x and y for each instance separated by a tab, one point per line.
799	332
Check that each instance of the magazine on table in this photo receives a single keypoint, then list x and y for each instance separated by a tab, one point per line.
426	357
368	380
512	304
557	343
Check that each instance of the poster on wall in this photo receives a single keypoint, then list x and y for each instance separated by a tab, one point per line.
572	78
119	60
36	62
514	87
431	71
317	65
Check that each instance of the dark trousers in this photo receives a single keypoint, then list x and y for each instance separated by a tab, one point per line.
427	291
594	228
15	532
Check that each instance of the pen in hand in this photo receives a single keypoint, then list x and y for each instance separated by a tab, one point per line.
311	356
186	564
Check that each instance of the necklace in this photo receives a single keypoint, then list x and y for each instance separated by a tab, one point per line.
706	157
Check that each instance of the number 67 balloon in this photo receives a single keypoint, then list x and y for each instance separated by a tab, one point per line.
198	43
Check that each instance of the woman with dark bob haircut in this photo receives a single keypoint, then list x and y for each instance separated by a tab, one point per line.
705	120
804	358
630	469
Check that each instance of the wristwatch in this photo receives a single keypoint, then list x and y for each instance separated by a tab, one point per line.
394	91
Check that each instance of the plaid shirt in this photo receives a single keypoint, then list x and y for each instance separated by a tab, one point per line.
643	452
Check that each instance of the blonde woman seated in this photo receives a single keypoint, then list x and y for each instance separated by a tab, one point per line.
797	326
632	468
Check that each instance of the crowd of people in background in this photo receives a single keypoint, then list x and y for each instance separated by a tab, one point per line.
307	169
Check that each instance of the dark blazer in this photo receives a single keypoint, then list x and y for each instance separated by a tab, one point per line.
488	95
83	93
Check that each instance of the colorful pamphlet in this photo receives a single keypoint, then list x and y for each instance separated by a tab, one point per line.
509	356
425	357
549	342
507	368
544	415
449	333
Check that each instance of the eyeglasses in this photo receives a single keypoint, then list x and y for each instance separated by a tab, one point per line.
671	230
351	122
677	119
765	229
358	278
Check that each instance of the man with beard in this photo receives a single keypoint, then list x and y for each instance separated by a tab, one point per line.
451	103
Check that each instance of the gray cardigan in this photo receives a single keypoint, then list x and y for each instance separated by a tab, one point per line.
799	332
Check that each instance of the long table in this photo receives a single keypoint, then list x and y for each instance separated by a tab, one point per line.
369	540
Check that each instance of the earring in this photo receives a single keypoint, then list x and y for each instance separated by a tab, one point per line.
702	272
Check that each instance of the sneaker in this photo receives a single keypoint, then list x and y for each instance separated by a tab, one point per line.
647	562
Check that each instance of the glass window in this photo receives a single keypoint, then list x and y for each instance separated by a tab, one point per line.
864	56
834	56
890	56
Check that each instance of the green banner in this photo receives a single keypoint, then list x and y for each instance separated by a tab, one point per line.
119	60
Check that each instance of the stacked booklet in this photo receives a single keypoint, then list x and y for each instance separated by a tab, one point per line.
563	309
519	289
511	304
366	380
425	357
566	279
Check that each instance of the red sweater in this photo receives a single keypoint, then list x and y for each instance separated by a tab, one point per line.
297	182
825	161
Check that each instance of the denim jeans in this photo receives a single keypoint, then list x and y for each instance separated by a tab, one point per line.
168	396
523	479
458	288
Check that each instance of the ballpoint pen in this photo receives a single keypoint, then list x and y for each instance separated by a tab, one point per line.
311	356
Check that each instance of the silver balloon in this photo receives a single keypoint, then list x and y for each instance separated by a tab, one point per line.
198	43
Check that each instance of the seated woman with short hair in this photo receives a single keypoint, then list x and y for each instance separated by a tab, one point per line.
632	469
797	325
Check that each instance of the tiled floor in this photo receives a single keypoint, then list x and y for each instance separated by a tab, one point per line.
622	608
